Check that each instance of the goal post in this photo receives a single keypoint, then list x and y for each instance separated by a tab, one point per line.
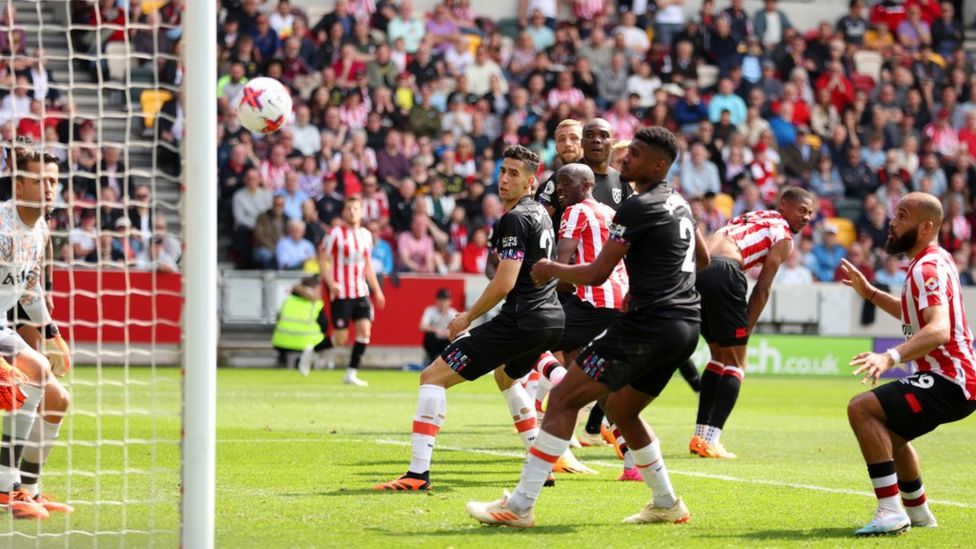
200	275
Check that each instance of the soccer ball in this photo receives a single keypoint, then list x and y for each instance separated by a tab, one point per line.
263	105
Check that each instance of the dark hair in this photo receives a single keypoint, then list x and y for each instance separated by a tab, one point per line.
529	158
795	195
25	153
660	138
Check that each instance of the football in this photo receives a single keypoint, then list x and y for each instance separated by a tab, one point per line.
263	105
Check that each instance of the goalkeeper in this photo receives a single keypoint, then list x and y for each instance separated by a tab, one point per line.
23	244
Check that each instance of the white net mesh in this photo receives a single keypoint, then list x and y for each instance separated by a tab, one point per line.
97	84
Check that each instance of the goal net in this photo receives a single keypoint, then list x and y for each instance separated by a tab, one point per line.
97	84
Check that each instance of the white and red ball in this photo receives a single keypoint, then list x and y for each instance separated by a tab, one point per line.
263	105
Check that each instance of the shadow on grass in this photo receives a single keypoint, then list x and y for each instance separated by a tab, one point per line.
806	535
437	464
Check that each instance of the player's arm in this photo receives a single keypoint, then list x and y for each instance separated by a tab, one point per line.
504	280
933	335
35	305
374	285
588	274
565	249
760	294
491	264
702	257
325	266
859	283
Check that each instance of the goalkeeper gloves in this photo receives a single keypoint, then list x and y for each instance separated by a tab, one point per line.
58	355
11	396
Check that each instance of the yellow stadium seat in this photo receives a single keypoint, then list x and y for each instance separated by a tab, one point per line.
149	6
152	101
311	266
724	203
846	234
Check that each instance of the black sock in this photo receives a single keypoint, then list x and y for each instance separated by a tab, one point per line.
11	451
595	420
419	476
356	355
29	472
326	343
706	395
725	397
690	372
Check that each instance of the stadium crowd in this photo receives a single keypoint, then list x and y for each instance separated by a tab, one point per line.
411	111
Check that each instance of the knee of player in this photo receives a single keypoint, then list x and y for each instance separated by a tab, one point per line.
56	398
857	408
340	338
34	365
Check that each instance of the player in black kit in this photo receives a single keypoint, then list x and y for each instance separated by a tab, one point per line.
530	321
633	360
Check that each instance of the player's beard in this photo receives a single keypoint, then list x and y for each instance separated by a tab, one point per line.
903	243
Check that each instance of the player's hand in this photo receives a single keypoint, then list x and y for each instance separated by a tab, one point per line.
58	355
49	301
855	279
11	396
380	300
543	271
872	365
458	325
333	291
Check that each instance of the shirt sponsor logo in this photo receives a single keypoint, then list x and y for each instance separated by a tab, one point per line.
16	278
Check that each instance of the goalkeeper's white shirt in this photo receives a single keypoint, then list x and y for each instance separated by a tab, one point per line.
22	250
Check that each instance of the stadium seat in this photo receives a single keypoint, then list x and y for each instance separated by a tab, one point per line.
724	203
849	208
149	6
868	63
151	101
845	230
707	76
509	27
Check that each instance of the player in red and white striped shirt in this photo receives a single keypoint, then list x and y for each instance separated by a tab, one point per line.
940	342
752	239
344	260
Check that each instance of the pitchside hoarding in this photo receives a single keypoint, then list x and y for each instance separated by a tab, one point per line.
787	355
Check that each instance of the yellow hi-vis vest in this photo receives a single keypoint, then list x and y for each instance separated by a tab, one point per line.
298	324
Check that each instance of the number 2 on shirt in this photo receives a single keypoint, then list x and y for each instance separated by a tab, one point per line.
686	230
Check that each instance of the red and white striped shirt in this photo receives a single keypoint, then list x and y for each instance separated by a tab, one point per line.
349	250
355	117
588	9
376	206
587	223
933	280
572	97
755	233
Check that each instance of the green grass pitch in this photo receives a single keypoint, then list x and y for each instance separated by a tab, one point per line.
296	458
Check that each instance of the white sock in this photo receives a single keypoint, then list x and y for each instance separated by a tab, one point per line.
38	448
712	434
520	406
17	425
651	465
629	460
431	410
556	375
531	384
540	396
887	504
351	373
700	430
538	465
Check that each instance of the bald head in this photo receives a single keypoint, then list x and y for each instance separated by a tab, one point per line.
924	206
574	183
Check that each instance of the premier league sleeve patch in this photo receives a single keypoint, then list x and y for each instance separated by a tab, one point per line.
932	284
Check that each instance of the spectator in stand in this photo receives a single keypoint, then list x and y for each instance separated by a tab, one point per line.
740	25
933	173
439	205
699	175
83	239
330	204
248	202
955	214
269	227
749	200
401	206
945	140
293	250
294	196
794	272
406	26
770	23
726	99
314	232
913	31
307	138
273	169
722	46
967	135
416	248
480	73
858	178
859	257
892	278
381	254
266	40
782	126
853	27
434	321
827	255
474	257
